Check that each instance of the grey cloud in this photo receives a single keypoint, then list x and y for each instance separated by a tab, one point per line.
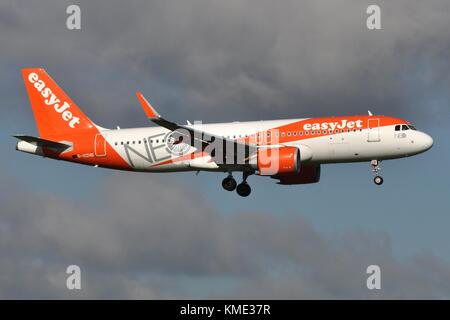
213	60
148	238
237	59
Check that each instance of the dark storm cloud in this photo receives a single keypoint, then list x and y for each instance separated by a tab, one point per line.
216	60
142	238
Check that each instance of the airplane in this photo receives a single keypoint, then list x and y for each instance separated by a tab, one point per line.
290	151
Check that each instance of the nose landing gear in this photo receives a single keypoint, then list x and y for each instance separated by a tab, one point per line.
376	169
378	180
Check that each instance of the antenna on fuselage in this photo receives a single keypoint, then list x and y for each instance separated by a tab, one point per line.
370	113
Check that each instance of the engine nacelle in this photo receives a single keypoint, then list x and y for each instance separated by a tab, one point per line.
272	161
309	173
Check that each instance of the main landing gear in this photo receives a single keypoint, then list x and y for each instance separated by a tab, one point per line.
243	189
376	169
229	183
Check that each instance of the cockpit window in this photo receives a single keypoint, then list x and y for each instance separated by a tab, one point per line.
404	127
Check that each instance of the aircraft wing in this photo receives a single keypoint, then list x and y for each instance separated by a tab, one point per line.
195	134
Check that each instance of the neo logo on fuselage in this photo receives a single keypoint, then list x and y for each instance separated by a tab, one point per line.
52	100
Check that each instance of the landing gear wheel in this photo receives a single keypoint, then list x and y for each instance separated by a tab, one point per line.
378	180
229	183
243	189
376	169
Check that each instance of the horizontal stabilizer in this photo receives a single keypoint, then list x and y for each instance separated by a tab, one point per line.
43	142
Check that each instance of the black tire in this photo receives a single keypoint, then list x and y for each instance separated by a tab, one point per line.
229	183
243	189
378	180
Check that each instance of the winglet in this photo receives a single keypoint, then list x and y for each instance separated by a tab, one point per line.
147	107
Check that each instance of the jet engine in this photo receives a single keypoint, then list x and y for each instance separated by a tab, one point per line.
273	161
309	173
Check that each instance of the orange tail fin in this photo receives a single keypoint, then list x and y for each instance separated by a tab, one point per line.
55	113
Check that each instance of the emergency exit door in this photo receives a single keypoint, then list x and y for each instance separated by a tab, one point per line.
373	127
100	145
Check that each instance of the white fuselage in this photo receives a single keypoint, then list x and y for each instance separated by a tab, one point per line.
146	149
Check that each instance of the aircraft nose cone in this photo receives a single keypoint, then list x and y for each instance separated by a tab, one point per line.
426	141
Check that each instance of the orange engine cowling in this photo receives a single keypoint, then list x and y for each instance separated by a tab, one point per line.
310	173
273	161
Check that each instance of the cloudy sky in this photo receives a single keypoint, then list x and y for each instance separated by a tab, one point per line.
180	235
